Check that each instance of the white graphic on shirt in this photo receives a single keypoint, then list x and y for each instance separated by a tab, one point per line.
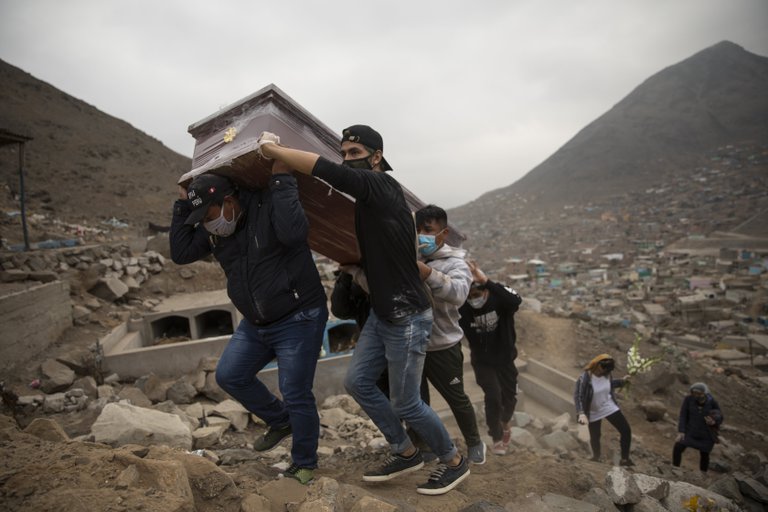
486	322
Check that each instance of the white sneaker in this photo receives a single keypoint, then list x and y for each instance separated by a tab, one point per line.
499	448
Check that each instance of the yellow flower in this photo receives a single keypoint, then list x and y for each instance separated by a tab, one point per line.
229	135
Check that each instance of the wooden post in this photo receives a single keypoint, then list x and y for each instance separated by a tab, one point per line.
22	197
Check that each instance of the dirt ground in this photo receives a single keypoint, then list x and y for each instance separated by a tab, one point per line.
40	475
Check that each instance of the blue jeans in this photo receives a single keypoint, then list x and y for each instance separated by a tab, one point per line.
296	342
400	346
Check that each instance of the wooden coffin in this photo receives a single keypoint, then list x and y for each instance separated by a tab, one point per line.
225	144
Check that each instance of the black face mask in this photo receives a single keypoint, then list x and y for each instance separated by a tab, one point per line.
607	367
359	163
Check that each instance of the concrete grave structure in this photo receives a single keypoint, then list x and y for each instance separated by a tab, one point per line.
184	329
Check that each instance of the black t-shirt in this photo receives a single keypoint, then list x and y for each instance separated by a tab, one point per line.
386	234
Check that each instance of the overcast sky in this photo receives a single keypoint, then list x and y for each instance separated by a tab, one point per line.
468	95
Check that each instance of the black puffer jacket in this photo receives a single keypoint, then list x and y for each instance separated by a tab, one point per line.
269	267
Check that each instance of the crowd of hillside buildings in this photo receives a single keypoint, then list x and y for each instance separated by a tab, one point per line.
685	261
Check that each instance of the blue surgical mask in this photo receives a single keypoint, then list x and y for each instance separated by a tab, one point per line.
427	244
221	226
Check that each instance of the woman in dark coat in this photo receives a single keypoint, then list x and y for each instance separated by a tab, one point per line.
700	418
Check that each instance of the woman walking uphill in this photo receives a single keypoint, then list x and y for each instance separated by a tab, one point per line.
700	418
594	400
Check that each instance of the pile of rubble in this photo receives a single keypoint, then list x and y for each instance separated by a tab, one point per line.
115	269
170	439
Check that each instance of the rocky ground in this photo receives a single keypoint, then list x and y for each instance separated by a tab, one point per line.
63	461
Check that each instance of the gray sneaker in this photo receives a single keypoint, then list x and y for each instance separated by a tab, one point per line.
444	478
394	465
476	453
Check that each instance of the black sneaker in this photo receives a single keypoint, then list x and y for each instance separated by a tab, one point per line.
445	478
272	437
395	465
626	462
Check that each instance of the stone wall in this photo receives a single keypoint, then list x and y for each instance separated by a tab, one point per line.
32	319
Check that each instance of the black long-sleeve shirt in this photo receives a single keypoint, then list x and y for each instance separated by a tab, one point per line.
386	234
490	330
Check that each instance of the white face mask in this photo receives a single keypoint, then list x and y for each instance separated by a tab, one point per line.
221	226
478	302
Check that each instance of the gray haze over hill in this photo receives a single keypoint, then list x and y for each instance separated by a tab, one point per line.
87	166
714	98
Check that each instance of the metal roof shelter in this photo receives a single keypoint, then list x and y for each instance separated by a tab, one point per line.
14	137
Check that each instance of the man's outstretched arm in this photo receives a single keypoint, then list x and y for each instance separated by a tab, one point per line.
302	161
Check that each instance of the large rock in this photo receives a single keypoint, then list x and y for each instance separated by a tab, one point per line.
135	395
207	437
166	476
371	504
648	504
47	429
752	488
324	494
333	417
621	486
181	391
562	422
656	488
728	487
155	388
283	491
171	408
109	289
120	424
600	499
56	376
345	402
254	503
521	437
212	389
522	419
234	412
654	410
559	441
88	385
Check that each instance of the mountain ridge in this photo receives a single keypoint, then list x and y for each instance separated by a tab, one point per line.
82	163
664	124
86	166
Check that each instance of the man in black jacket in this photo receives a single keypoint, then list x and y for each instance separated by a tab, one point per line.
397	330
488	321
259	238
